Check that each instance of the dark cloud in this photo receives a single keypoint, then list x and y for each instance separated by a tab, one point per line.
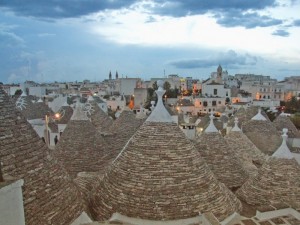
229	13
62	9
179	8
234	18
281	33
228	59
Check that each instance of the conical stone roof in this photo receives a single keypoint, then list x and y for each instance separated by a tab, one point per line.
49	195
31	110
99	118
281	122
278	181
220	157
67	114
159	175
121	131
263	134
248	153
81	148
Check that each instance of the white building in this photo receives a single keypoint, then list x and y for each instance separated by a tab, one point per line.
214	89
206	105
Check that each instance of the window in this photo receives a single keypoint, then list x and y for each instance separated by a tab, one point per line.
214	103
226	93
220	102
215	91
205	103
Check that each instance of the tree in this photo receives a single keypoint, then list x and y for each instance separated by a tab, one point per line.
18	92
227	100
154	85
167	86
151	96
292	106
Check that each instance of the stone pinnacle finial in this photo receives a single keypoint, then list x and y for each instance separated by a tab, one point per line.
160	113
236	127
211	127
152	105
283	151
284	135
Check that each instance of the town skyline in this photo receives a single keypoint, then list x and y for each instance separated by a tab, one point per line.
70	41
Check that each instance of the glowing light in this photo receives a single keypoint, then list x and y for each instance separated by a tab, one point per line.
57	115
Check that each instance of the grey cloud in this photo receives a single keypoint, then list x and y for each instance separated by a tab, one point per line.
296	23
281	33
62	9
228	59
236	18
230	13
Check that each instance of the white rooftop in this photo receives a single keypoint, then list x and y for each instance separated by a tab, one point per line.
78	113
259	116
90	98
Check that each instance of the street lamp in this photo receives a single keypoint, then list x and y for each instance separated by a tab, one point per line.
54	117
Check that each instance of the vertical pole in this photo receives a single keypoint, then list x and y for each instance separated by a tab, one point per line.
46	131
1	175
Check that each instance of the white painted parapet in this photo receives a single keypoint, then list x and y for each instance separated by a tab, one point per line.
11	203
277	213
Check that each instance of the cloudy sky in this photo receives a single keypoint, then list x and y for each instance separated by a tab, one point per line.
67	40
